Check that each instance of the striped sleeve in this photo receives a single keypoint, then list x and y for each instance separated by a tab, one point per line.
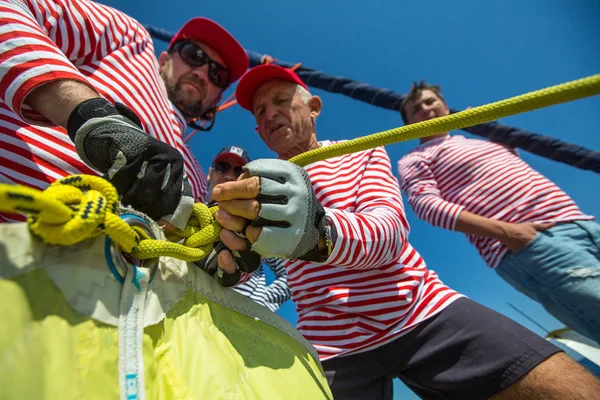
246	277
278	292
248	285
376	231
424	196
29	53
198	181
43	41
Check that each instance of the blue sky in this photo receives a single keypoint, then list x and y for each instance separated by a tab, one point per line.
479	52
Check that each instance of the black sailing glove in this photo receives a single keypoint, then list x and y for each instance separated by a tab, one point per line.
147	173
245	261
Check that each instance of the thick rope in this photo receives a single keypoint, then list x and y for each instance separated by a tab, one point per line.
535	143
80	207
562	93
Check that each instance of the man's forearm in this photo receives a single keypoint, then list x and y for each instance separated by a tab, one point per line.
468	222
56	100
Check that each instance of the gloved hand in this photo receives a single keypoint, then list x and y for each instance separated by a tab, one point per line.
246	261
291	217
147	173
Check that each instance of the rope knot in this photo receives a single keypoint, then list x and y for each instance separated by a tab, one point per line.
202	230
76	208
192	244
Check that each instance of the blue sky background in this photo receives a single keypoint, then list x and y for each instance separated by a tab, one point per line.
478	51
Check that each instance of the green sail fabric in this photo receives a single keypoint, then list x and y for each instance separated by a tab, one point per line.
59	313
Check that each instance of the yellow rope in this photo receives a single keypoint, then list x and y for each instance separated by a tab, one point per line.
562	93
79	207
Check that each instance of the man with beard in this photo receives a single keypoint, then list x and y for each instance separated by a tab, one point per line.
67	62
82	92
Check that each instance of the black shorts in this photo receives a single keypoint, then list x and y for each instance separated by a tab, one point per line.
467	351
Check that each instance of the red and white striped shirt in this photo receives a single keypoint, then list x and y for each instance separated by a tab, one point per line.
444	176
374	286
45	40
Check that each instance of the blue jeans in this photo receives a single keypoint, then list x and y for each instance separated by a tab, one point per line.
560	268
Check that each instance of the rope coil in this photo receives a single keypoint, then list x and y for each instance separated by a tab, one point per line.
79	207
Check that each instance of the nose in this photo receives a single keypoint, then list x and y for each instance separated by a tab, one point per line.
425	109
201	72
271	112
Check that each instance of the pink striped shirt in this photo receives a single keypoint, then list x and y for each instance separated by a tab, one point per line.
444	176
375	285
45	40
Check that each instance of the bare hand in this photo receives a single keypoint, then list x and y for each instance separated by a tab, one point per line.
518	235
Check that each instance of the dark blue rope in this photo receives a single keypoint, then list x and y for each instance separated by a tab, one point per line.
541	145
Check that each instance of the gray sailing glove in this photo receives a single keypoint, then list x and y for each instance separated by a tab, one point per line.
291	217
147	173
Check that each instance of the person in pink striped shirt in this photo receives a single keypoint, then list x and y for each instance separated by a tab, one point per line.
364	295
81	91
523	225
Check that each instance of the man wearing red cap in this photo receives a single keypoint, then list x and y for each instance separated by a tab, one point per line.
60	73
364	295
82	92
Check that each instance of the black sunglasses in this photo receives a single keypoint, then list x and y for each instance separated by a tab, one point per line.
224	167
194	56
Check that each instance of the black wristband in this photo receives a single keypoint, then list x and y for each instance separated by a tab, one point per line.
86	110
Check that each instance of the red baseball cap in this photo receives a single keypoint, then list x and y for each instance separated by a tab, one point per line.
209	32
252	79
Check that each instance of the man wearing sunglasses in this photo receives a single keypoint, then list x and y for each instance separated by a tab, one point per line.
227	167
83	92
